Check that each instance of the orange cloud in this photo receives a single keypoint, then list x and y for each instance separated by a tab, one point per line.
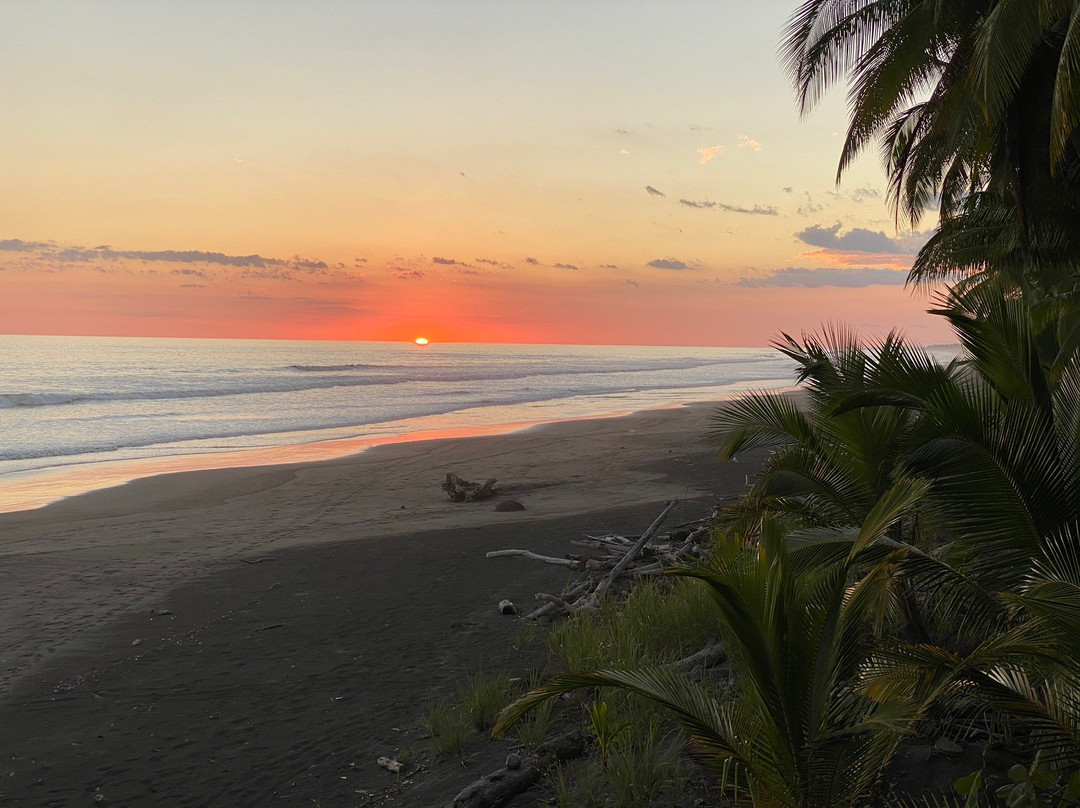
709	152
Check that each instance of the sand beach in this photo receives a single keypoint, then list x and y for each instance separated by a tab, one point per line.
258	636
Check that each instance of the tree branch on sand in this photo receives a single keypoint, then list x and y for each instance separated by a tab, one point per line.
618	559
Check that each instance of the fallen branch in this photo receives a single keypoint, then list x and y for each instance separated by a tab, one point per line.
562	562
543	611
687	546
555	600
615	557
631	554
707	657
551	602
604	547
612	539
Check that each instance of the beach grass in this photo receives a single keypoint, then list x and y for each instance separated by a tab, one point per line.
527	633
534	728
579	784
658	622
646	775
447	732
483	695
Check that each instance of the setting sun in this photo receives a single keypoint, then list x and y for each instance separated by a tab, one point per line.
421	341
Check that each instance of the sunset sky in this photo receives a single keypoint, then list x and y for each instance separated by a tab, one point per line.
556	172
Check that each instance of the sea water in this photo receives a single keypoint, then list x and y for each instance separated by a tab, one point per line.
69	402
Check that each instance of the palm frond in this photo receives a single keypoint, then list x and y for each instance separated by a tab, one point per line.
758	420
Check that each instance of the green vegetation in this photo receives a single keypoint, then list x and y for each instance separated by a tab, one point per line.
632	775
646	775
446	731
907	562
659	621
451	727
534	728
577	785
797	730
483	695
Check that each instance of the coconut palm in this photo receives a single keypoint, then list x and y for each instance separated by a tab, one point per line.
994	436
842	454
982	236
976	107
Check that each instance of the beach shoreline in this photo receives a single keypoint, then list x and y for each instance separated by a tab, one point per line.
192	594
81	414
41	488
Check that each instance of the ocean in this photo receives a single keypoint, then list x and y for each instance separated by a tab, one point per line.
79	413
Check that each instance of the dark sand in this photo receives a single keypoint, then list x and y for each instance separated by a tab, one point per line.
146	658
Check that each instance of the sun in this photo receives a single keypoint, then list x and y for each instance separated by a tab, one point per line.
421	341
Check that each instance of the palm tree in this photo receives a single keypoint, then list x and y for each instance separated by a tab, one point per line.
827	468
994	435
999	444
975	103
982	235
995	438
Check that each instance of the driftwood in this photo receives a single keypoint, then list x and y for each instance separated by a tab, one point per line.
593	544
553	602
708	657
561	562
460	490
611	544
644	572
632	553
616	559
498	788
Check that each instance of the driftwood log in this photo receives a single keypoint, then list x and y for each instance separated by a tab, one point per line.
708	657
460	490
498	788
572	563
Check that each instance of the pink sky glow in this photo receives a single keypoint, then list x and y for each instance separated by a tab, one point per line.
461	170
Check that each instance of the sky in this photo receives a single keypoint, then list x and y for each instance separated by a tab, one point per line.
592	172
